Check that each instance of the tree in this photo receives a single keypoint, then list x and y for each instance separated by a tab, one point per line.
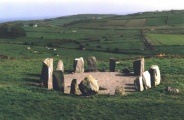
17	31
14	31
4	30
116	50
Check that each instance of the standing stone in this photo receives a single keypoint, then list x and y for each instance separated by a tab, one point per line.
146	80
89	86
91	61
126	70
74	88
155	75
112	65
139	84
47	72
58	80
60	66
79	65
138	66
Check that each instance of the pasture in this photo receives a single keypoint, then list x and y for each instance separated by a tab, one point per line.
136	23
166	39
156	21
115	23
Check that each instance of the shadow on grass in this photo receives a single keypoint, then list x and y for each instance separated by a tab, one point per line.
33	75
125	74
33	80
129	88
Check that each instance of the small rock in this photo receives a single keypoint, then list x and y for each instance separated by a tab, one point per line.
172	90
120	91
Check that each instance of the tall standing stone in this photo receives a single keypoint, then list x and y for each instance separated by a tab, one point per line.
58	80
138	66
91	61
79	65
74	87
112	65
155	75
60	66
139	84
146	80
47	73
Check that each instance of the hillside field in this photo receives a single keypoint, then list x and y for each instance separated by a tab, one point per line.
166	39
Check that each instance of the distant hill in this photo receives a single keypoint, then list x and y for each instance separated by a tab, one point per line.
173	18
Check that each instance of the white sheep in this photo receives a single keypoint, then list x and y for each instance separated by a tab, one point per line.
28	48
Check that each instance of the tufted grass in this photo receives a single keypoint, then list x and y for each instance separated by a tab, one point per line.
22	98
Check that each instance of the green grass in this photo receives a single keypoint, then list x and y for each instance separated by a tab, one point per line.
170	49
176	19
135	23
166	39
20	51
21	99
157	21
115	23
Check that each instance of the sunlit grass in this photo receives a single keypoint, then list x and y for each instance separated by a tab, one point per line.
166	39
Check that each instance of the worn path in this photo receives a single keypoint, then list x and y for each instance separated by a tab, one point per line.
108	80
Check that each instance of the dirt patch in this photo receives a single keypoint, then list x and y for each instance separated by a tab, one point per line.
108	81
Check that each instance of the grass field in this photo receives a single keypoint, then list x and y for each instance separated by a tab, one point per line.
21	99
136	23
115	23
157	21
166	39
176	19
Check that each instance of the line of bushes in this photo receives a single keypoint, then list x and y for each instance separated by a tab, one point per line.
15	31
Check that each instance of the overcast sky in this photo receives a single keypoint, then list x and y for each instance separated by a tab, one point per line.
37	9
